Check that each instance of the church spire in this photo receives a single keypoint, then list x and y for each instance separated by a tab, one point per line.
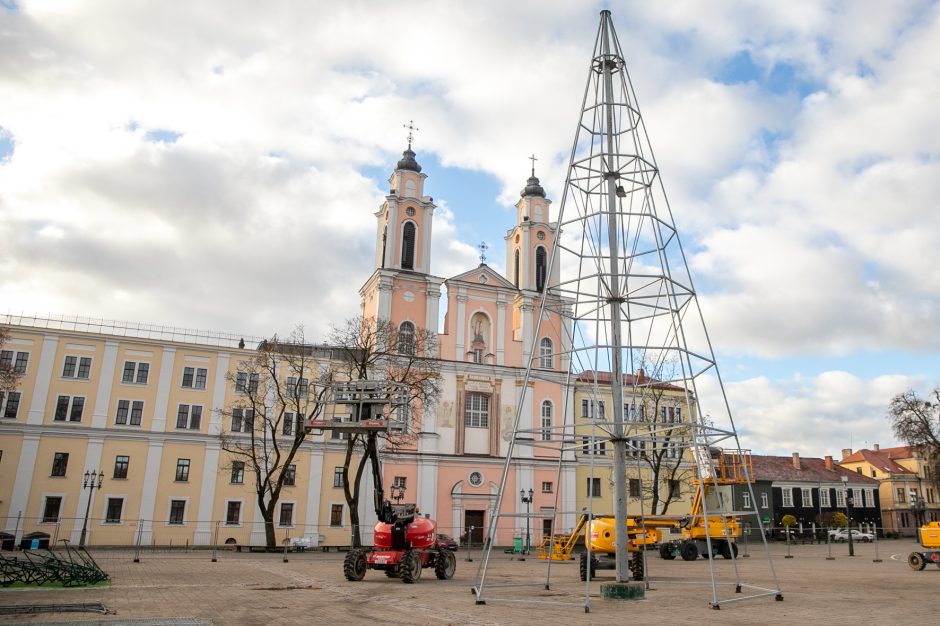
532	187
408	161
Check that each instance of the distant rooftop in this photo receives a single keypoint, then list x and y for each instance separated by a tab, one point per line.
139	330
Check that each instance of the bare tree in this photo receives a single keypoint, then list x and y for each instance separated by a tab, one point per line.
373	349
661	436
916	422
9	375
279	389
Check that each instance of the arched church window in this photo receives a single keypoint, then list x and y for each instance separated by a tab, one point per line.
540	268
546	422
406	338
545	353
515	275
408	246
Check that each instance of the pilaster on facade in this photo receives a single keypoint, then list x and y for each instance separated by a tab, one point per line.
37	408
99	418
203	533
158	424
460	326
216	412
23	480
501	331
148	496
314	493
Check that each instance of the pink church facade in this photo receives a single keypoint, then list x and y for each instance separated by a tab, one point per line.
454	471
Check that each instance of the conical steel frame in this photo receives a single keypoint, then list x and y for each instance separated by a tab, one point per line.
630	312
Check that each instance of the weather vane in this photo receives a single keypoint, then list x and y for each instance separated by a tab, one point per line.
411	131
483	248
533	159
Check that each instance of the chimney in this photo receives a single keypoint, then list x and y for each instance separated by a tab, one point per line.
828	462
796	460
846	452
640	374
876	447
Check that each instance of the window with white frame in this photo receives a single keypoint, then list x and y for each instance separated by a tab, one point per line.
636	448
129	412
545	353
247	382
824	496
286	517
189	416
182	470
787	494
546	420
634	412
764	501
806	496
840	497
477	410
406	339
336	515
114	511
296	387
177	512
337	476
194	377
870	496
135	372
14	360
670	414
547	487
69	408
746	498
233	512
592	408
77	367
593	487
9	404
51	508
590	445
400	482
60	464
238	472
243	420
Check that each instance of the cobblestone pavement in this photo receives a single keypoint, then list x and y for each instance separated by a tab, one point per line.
188	588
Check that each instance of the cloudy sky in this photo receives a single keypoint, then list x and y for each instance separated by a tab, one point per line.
216	165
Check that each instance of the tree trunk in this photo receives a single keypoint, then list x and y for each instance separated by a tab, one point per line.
269	539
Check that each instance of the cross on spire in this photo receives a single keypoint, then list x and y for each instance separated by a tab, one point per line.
483	248
533	159
411	131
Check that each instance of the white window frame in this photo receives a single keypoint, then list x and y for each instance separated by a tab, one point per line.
246	382
241	513
840	497
129	415
80	362
476	416
806	496
240	417
546	421
136	371
196	373
69	408
824	500
764	501
546	350
169	510
547	486
293	516
15	359
870	497
5	401
786	494
104	509
189	416
42	510
746	497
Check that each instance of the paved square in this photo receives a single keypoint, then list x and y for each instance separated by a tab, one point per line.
310	589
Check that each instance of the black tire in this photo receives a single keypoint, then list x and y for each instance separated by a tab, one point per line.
636	566
916	561
583	567
409	570
667	551
355	565
688	551
446	565
392	572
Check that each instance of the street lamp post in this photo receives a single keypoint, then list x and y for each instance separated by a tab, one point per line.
848	513
527	500
92	481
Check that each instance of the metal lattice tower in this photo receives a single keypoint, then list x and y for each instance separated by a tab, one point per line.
630	312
